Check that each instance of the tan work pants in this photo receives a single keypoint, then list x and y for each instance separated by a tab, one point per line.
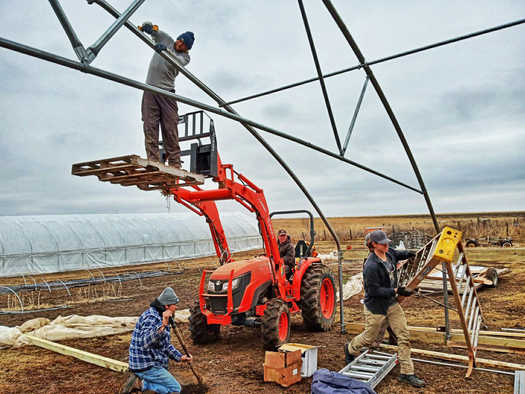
395	317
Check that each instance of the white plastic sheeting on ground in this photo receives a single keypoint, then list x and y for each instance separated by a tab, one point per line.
60	243
72	327
353	286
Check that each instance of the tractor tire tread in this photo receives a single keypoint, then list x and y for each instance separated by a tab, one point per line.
202	332
270	323
310	299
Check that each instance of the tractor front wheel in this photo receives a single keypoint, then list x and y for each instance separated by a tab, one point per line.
275	324
318	298
201	331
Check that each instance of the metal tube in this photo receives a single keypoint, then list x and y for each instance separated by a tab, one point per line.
320	76
104	38
354	117
384	100
512	329
477	326
381	60
129	82
466	290
79	49
245	122
445	301
232	114
458	265
471	319
469	302
461	366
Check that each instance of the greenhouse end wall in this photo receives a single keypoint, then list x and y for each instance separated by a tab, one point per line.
61	243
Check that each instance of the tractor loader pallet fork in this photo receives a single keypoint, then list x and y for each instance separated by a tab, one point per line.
446	248
133	170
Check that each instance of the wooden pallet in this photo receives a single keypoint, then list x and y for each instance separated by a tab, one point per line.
133	170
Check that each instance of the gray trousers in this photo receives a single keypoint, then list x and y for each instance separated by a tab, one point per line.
158	109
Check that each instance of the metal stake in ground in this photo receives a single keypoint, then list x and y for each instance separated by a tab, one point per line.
179	336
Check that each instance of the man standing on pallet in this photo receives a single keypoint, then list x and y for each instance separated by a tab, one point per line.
380	282
151	349
157	108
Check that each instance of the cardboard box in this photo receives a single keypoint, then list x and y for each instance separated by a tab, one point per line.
284	376
308	354
282	359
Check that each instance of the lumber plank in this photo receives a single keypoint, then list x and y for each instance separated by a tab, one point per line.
102	163
92	358
456	357
431	335
489	348
113	169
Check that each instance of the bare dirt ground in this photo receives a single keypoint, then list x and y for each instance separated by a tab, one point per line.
234	363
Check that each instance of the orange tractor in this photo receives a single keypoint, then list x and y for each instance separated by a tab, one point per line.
254	292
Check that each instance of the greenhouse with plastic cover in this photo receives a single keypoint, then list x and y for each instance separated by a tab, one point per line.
61	243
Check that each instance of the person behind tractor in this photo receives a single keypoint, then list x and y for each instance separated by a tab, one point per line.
151	349
380	283
286	251
157	108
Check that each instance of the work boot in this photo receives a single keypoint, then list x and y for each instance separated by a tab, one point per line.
128	386
412	380
348	357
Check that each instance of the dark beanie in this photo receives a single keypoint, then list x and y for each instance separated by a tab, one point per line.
168	297
188	38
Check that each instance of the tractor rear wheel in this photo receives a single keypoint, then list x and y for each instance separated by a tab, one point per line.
201	331
318	298
275	324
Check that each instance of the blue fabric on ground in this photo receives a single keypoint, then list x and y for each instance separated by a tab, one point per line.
330	382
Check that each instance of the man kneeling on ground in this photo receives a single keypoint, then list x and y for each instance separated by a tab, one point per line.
151	349
380	282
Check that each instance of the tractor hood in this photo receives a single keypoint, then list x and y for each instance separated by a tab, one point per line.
258	266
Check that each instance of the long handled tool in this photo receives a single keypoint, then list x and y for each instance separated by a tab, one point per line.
179	336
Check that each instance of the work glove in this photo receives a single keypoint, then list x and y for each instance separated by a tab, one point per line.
160	47
147	27
403	291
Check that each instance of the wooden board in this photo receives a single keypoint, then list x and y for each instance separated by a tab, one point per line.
101	361
132	170
431	335
480	362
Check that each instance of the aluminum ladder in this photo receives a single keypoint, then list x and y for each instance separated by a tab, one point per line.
370	367
445	248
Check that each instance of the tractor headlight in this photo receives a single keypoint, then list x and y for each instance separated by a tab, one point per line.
222	286
235	284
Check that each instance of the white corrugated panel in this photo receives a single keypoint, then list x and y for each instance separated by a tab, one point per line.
59	243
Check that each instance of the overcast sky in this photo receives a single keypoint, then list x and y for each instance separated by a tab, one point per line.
461	106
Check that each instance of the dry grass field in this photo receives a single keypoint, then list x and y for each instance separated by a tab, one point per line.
494	224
